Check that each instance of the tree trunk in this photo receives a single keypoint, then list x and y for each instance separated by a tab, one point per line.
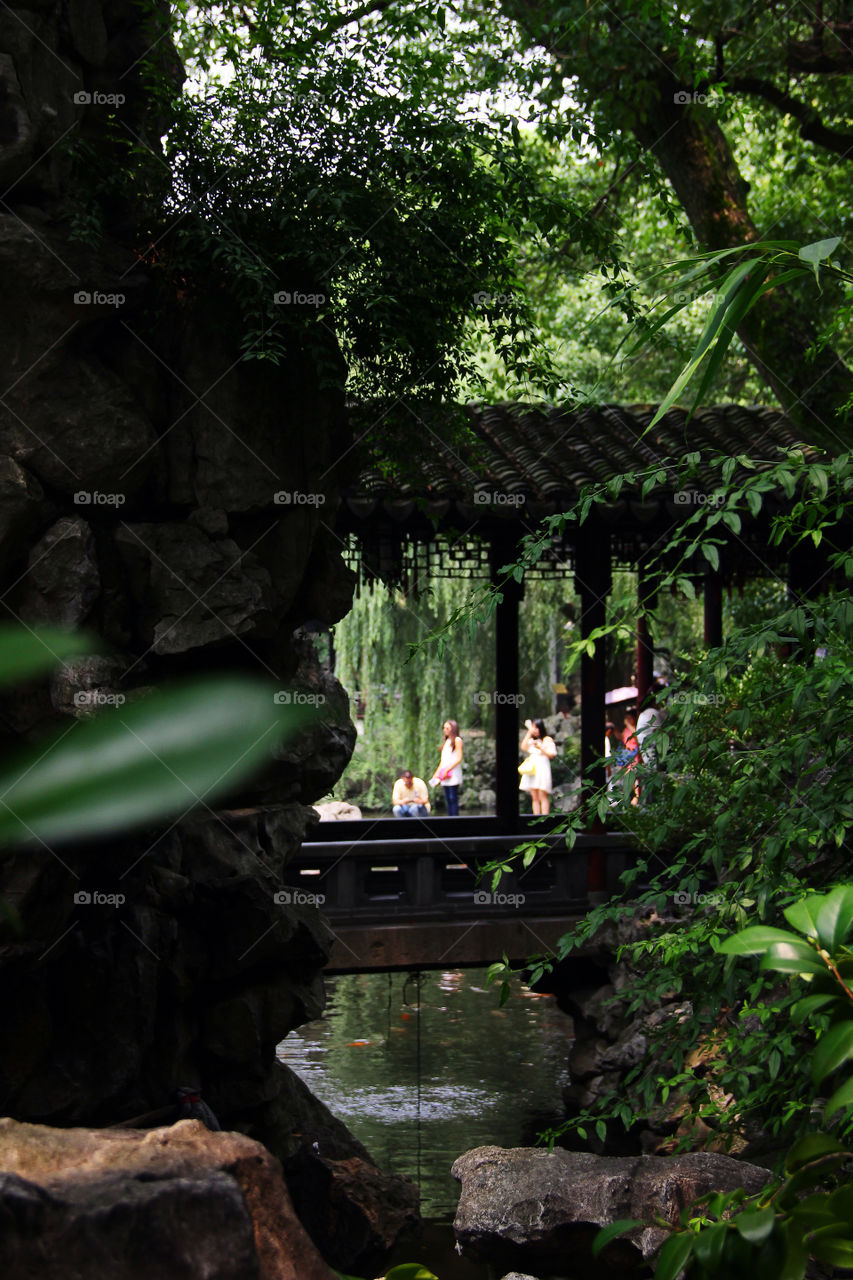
695	155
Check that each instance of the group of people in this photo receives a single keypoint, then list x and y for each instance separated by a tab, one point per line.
410	798
635	743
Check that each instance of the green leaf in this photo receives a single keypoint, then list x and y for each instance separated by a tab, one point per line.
755	1225
812	1147
612	1231
792	957
25	653
812	1004
144	761
835	917
755	940
709	1243
841	1100
835	1250
803	915
818	252
834	1047
674	1255
410	1271
726	295
711	554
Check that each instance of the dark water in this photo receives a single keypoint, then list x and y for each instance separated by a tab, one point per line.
424	1068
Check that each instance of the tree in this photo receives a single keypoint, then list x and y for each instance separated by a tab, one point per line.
671	79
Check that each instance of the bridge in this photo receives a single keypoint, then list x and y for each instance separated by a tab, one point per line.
405	894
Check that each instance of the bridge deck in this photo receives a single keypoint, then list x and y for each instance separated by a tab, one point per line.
401	901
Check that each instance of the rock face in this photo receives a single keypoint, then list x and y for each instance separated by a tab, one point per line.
537	1210
153	484
179	1202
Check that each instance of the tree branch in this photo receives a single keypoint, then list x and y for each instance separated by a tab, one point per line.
812	128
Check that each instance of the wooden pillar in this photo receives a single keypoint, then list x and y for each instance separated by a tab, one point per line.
592	583
713	610
503	550
645	648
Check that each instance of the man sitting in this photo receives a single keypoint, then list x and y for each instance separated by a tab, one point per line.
410	798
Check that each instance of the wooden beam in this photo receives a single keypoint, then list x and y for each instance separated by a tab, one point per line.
712	599
592	583
503	550
645	648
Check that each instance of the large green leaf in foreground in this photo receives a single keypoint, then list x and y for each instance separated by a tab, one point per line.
26	652
142	762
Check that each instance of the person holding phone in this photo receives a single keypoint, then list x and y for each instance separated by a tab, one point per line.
541	750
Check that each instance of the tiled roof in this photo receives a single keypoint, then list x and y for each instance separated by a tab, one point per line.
544	456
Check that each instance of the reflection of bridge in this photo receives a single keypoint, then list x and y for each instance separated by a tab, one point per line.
410	901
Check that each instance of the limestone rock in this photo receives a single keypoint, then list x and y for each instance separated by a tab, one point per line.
530	1208
338	811
62	575
323	750
86	684
180	1202
21	499
193	590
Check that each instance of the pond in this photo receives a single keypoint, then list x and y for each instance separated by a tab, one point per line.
422	1067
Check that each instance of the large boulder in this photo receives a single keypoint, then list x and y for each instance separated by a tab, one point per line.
532	1209
62	575
180	1203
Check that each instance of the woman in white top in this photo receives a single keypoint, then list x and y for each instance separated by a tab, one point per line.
449	771
540	752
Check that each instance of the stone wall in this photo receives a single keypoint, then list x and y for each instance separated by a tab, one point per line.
149	480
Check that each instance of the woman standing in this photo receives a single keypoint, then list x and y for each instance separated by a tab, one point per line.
449	771
541	750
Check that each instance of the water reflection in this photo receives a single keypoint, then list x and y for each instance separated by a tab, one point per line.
424	1067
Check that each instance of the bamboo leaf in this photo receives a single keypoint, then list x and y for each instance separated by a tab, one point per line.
145	761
